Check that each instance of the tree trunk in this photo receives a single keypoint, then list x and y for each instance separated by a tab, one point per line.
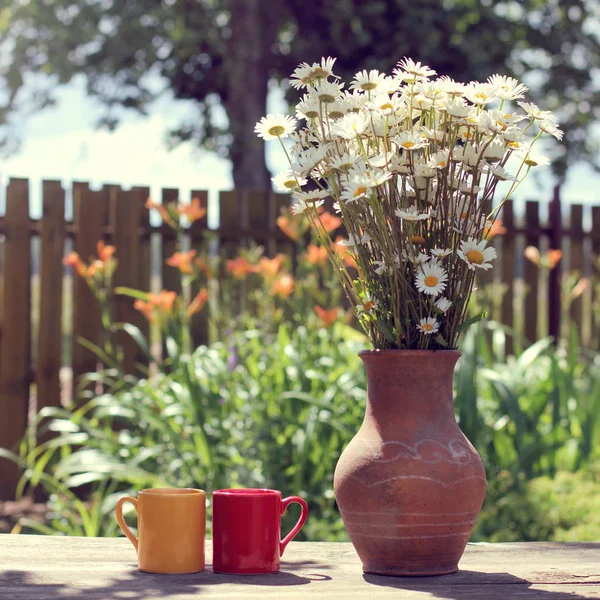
253	33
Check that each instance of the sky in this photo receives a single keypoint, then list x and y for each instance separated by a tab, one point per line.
62	142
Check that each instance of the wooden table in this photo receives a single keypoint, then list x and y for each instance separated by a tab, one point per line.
39	567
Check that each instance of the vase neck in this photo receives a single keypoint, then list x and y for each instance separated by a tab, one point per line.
402	384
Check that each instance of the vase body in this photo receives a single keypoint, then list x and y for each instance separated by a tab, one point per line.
409	485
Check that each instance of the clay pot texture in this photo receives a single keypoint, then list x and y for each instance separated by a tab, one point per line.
409	485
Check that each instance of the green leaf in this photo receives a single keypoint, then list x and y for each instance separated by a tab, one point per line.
472	321
131	293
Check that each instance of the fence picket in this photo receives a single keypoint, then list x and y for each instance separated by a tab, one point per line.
49	353
89	217
532	273
15	334
576	262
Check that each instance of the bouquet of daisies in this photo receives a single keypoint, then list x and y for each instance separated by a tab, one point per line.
412	165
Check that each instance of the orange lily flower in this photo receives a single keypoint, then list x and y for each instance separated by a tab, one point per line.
240	267
317	255
162	210
74	260
192	211
105	253
492	229
328	317
197	304
146	308
269	267
553	257
182	261
344	253
330	222
284	286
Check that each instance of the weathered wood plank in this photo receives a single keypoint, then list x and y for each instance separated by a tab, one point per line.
576	261
532	274
508	256
126	212
41	567
200	326
171	279
90	211
15	333
50	305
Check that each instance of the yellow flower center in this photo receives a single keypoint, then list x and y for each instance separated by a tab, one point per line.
417	239
369	305
386	106
335	114
428	327
326	98
311	114
431	281
360	191
290	184
276	130
474	256
513	144
408	144
442	163
319	73
464	215
368	86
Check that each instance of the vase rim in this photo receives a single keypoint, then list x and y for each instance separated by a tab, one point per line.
405	352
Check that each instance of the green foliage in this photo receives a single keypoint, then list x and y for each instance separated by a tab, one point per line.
258	410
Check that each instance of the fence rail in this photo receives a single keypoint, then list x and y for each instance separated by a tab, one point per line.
32	317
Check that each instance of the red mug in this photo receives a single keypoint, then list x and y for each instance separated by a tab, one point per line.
247	530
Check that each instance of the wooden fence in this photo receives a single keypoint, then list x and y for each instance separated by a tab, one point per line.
32	316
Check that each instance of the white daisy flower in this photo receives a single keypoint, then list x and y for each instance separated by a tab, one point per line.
409	70
328	91
308	159
312	196
468	188
434	136
381	267
336	110
308	108
355	189
302	76
378	177
450	87
424	170
349	126
441	252
380	161
409	140
501	174
476	255
431	90
431	279
272	127
417	258
368	304
440	159
288	181
481	93
344	162
367	81
386	105
551	128
494	152
301	207
305	74
535	112
412	214
533	159
428	326
457	108
507	88
443	304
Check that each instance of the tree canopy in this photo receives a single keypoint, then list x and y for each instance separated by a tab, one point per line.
224	54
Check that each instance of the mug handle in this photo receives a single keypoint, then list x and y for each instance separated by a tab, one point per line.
303	516
121	520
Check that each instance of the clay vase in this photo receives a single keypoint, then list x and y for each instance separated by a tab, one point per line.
409	485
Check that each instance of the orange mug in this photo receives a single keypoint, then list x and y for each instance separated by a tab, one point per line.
171	529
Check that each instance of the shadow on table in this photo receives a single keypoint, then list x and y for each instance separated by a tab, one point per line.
135	585
471	585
